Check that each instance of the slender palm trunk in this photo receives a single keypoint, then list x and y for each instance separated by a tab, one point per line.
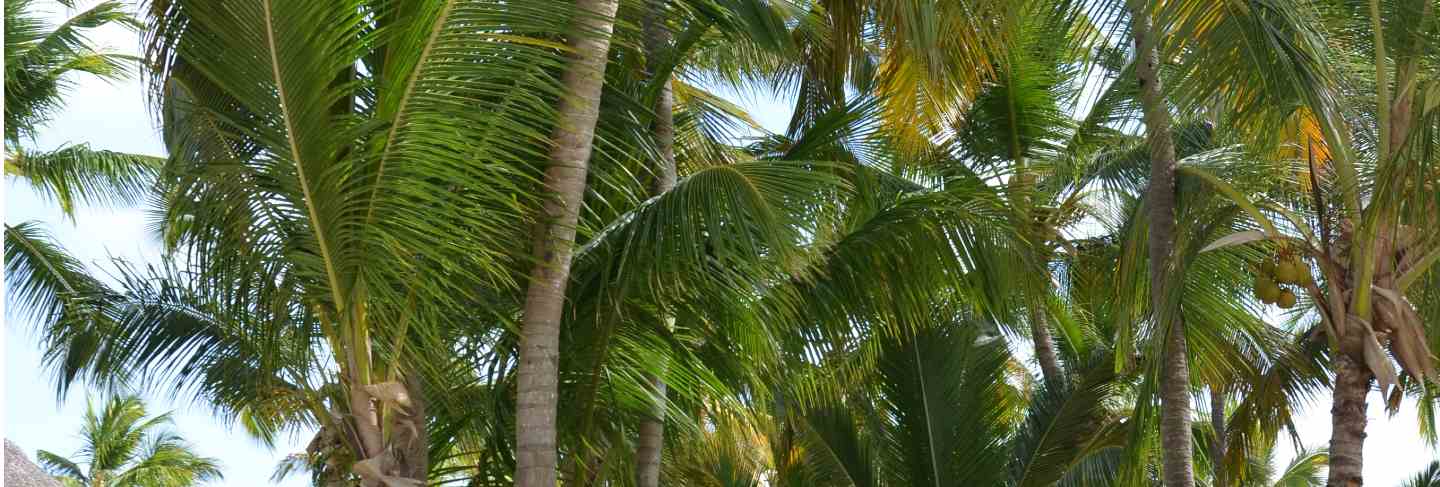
657	46
1045	348
537	372
1219	448
652	440
1175	436
1347	420
651	443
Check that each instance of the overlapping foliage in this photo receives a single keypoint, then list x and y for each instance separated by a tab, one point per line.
351	189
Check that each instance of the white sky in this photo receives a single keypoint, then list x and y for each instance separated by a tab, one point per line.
114	117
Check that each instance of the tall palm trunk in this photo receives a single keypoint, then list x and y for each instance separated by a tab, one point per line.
652	440
1219	448
651	443
1347	417
537	372
1175	436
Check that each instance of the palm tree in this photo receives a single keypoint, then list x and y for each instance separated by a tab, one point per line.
123	446
1361	250
40	64
321	182
1160	200
650	445
1195	37
1365	183
538	372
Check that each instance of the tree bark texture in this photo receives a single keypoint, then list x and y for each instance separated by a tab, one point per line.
537	372
1348	420
1175	435
1220	447
1050	369
650	446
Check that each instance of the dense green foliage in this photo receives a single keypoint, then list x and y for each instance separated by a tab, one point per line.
940	273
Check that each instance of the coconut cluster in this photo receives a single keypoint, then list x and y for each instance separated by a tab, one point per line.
1278	278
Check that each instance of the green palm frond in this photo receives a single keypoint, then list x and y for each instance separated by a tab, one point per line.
39	59
123	446
1262	58
77	174
167	461
839	448
1064	426
1307	469
159	329
944	388
62	467
1429	477
46	283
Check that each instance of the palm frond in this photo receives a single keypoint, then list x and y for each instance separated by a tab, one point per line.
77	174
46	284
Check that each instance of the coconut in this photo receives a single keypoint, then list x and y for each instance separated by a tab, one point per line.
1267	268
1288	271
1286	300
1267	290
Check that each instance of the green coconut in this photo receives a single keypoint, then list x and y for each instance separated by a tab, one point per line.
1290	271
1267	290
1286	300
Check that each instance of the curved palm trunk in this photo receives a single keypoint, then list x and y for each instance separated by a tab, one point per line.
1175	436
651	443
537	372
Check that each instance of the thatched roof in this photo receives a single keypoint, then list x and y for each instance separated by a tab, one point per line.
21	472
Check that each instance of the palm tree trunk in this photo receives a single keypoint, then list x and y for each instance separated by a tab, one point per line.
1219	447
657	45
1175	436
651	444
1050	369
537	372
652	440
1347	420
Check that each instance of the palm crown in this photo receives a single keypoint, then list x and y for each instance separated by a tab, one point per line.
123	446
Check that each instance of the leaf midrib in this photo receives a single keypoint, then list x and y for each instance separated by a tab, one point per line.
324	245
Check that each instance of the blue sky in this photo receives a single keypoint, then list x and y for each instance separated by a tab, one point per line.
113	116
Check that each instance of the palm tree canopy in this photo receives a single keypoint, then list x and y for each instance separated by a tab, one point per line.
123	446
